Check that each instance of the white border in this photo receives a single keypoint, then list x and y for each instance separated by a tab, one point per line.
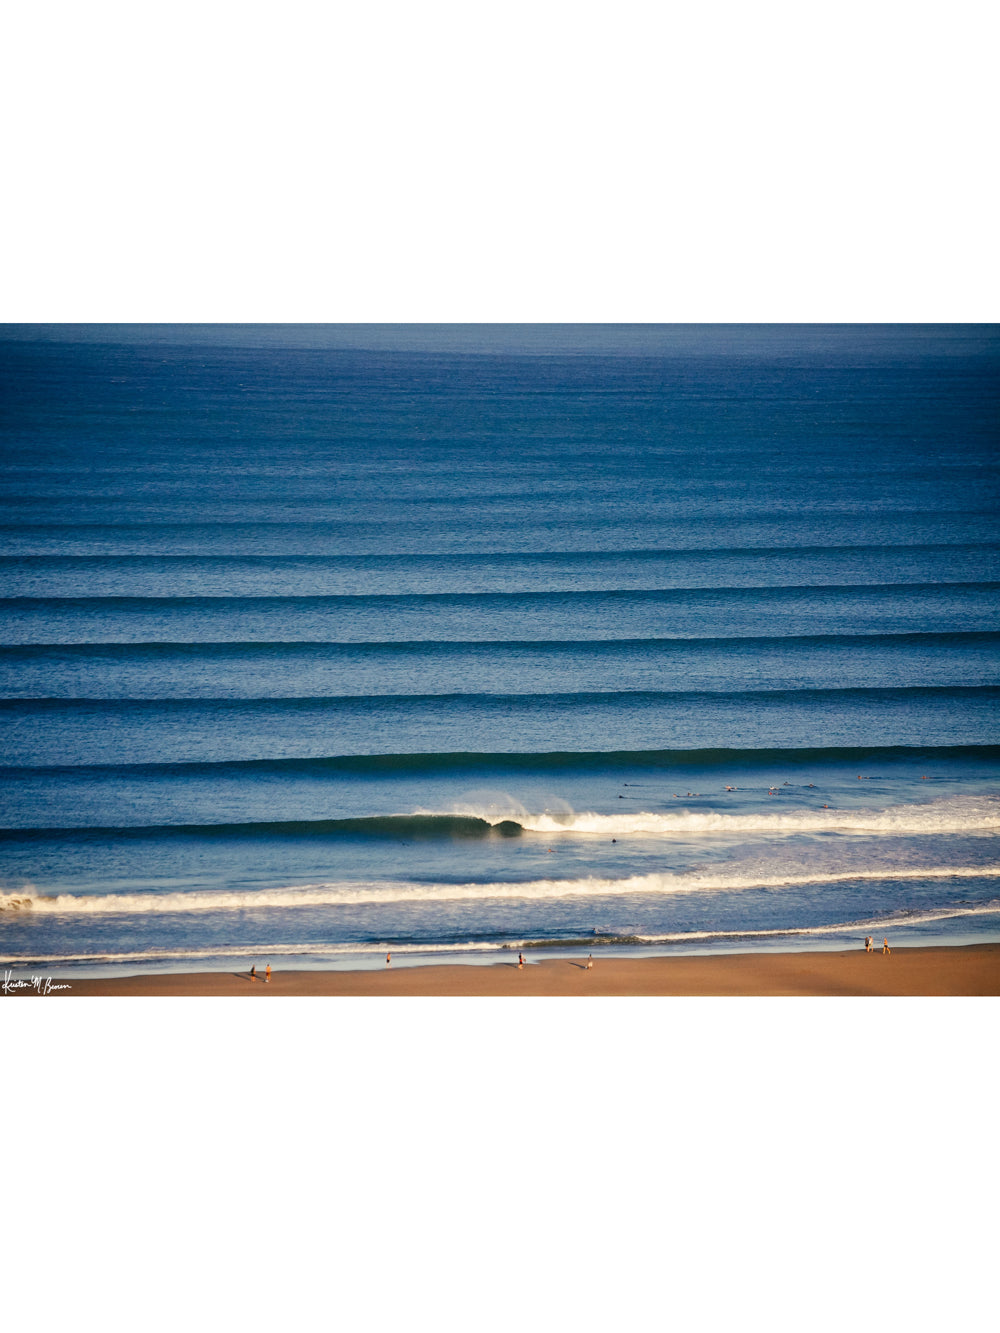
543	161
469	1164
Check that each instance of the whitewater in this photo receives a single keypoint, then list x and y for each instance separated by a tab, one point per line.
947	815
319	895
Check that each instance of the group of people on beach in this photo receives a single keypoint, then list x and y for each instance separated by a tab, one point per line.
870	944
267	972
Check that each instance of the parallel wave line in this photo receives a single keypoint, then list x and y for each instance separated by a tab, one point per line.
499	557
353	894
739	591
233	647
949	815
458	761
488	700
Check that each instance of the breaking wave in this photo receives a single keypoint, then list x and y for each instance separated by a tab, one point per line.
947	815
353	894
955	815
509	819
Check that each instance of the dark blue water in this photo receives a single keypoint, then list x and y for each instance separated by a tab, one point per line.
320	641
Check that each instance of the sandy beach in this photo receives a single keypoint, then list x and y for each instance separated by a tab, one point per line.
962	970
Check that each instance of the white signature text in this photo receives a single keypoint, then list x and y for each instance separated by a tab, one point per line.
40	985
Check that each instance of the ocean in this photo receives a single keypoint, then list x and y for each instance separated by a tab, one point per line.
320	642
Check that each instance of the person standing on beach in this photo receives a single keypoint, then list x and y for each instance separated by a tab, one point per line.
267	974
388	960
253	972
520	960
590	961
885	946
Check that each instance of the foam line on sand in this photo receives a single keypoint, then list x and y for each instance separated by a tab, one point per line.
931	971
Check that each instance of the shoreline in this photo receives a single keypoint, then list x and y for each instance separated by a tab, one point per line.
929	970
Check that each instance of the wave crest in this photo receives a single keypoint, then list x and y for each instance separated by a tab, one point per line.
948	815
353	894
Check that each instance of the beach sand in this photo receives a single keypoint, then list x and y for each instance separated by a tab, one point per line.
959	970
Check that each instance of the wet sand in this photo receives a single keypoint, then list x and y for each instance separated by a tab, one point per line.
960	970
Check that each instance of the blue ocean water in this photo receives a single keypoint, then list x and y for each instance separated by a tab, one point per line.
320	641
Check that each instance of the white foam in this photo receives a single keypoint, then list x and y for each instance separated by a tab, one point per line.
353	894
333	951
890	922
239	951
961	814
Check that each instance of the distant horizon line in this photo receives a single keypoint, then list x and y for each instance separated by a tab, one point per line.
533	338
